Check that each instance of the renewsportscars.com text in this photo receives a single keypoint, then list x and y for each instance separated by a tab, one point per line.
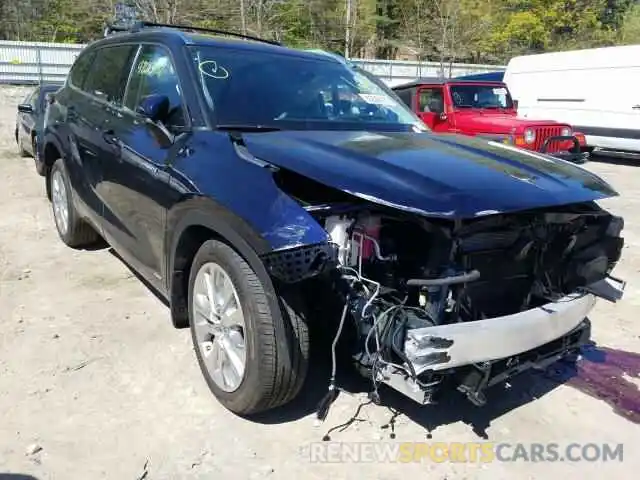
472	452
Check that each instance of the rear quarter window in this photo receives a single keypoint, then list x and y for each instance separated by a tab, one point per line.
80	68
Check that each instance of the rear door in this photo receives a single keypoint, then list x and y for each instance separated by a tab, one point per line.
136	184
101	93
431	108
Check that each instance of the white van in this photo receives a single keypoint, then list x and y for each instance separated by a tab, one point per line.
597	91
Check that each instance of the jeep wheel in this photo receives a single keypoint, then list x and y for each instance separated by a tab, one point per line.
72	229
236	334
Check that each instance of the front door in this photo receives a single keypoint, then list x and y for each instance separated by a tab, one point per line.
27	121
137	192
431	108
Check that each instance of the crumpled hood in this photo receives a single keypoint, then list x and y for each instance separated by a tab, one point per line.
449	176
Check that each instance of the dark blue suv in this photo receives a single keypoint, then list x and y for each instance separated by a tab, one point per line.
260	188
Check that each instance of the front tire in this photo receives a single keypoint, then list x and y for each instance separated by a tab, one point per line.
73	231
235	332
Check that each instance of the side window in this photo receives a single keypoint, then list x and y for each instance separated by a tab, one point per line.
405	96
154	73
43	98
108	75
431	100
31	98
34	100
80	69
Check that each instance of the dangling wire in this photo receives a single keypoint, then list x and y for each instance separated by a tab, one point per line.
331	396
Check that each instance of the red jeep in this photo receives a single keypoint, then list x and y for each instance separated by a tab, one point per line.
485	109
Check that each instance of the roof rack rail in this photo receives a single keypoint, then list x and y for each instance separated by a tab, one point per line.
137	26
109	29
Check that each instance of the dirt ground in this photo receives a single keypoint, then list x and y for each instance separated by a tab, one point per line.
95	383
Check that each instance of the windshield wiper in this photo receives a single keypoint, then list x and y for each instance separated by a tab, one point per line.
247	128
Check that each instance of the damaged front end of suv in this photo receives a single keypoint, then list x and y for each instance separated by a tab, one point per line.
464	298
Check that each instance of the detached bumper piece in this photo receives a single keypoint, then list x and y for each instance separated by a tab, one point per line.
474	380
574	155
447	346
486	352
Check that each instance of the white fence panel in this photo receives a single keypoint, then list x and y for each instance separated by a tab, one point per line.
32	62
26	63
395	72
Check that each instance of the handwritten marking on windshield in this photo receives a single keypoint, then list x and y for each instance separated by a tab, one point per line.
376	99
210	68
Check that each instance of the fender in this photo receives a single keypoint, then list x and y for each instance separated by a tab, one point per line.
205	212
50	137
245	240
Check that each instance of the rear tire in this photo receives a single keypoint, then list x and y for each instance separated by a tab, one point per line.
21	151
73	231
273	372
37	160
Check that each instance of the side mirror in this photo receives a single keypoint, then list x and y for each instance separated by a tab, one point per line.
25	108
515	104
154	107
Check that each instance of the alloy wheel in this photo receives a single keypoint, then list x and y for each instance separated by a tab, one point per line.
219	325
60	202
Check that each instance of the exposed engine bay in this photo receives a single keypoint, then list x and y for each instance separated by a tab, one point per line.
473	302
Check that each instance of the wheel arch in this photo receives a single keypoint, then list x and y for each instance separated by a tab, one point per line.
51	152
192	223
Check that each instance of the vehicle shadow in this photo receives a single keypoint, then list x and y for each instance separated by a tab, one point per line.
501	399
627	161
154	291
16	476
455	408
602	373
99	244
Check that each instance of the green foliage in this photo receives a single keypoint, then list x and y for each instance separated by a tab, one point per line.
630	28
443	30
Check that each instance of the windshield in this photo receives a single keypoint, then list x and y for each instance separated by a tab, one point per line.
248	89
480	96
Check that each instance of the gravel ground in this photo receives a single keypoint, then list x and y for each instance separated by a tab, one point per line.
95	383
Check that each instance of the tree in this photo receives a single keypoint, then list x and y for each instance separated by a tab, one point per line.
630	28
484	31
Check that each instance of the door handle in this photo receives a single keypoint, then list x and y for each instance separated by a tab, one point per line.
636	107
109	136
